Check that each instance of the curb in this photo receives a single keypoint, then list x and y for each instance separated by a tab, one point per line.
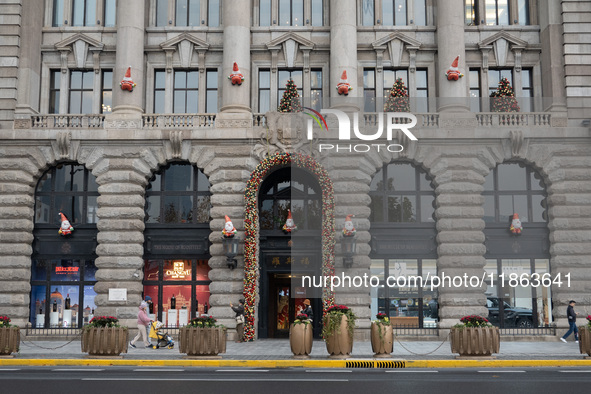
350	363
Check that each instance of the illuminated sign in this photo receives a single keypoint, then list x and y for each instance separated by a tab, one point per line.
66	270
179	271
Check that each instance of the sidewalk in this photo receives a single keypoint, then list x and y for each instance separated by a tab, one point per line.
274	353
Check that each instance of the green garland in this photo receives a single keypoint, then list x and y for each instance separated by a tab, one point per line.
251	227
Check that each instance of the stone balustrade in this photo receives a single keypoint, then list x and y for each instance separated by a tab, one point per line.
67	121
167	121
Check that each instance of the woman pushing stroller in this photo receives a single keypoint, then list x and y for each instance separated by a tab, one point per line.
142	321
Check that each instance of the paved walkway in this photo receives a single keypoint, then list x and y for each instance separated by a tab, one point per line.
279	349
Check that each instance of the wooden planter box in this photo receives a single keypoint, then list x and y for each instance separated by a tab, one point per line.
10	339
475	341
339	343
202	341
585	340
105	341
301	337
382	344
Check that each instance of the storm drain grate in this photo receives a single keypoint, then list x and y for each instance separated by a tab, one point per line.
375	364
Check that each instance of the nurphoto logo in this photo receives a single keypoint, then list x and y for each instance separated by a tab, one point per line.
402	121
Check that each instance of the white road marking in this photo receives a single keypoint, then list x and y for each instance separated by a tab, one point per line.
148	369
77	370
214	380
9	369
328	370
575	371
501	371
410	370
242	370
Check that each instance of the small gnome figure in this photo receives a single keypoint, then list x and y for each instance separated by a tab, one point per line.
66	228
453	74
127	83
343	86
289	225
349	229
229	230
516	225
236	77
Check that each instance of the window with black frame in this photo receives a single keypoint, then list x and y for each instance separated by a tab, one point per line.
403	253
63	269
176	272
290	189
515	210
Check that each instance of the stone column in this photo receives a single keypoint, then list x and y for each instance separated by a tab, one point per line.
552	62
228	170
450	43
120	238
17	180
236	21
351	178
130	52
459	177
343	47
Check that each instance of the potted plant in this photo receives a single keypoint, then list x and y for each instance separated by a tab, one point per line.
301	335
10	337
585	337
475	336
382	336
202	337
337	331
103	336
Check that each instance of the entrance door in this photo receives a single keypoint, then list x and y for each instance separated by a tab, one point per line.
282	306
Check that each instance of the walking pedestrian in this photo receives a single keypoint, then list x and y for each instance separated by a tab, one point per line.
239	310
142	321
572	322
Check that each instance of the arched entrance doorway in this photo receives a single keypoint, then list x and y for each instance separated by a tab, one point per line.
286	256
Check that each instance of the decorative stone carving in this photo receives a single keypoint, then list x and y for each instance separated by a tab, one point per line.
62	144
233	123
516	142
123	124
21	124
176	144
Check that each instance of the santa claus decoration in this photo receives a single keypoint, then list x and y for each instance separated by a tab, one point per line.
236	77
229	230
289	225
343	86
453	73
65	228
127	83
349	229
516	225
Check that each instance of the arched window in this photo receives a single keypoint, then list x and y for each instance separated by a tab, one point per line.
290	189
516	189
62	272
176	270
403	245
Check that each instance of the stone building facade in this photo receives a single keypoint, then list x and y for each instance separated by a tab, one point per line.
62	105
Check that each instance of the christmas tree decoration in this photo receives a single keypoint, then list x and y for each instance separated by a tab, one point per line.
290	102
289	225
398	99
344	86
251	229
503	99
453	73
65	228
127	83
229	230
516	226
236	77
349	229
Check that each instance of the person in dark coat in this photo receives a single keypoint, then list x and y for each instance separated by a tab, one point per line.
239	310
572	322
308	309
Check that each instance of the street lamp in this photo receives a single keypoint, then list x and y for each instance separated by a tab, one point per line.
231	250
349	247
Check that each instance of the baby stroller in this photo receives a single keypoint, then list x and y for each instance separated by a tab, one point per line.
162	339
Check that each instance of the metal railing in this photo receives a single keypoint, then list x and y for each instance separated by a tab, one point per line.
168	121
67	121
415	331
533	331
57	331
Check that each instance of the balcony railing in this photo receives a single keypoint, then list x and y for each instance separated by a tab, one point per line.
168	121
259	120
509	119
68	121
